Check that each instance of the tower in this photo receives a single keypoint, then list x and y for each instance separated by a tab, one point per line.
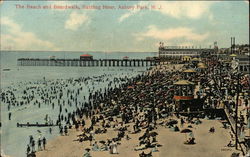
216	49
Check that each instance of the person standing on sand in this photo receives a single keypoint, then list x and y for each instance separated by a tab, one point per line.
33	145
44	143
28	149
9	115
65	130
39	142
113	148
87	154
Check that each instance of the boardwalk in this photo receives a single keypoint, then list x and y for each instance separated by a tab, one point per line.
232	122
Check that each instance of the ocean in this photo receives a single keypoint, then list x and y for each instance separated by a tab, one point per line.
14	140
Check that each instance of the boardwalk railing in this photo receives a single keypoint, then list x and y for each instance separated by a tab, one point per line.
84	63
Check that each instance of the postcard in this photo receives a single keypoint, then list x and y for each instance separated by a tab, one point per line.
124	78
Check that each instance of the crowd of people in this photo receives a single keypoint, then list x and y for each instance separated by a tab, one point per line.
41	145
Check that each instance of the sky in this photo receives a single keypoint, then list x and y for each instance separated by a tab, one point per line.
121	26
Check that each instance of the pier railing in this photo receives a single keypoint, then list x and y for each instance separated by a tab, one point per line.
86	63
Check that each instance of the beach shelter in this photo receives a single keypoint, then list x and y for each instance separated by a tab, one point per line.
201	65
189	71
195	59
233	55
183	94
183	82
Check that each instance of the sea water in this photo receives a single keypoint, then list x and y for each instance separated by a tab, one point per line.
14	140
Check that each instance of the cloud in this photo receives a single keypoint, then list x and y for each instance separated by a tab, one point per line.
126	15
180	9
76	20
185	9
171	33
18	39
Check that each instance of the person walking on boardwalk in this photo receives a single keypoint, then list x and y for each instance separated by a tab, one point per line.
44	143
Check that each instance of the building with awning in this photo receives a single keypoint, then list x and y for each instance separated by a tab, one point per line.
188	73
86	57
201	66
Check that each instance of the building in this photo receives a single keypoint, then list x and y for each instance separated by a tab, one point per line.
182	52
52	57
186	58
125	58
243	63
86	57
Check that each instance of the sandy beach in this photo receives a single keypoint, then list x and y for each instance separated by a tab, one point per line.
207	144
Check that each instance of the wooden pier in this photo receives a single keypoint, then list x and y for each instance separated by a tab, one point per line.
86	63
34	125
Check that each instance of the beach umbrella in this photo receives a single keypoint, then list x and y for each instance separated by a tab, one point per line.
148	83
185	131
102	142
139	83
153	134
172	122
223	121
